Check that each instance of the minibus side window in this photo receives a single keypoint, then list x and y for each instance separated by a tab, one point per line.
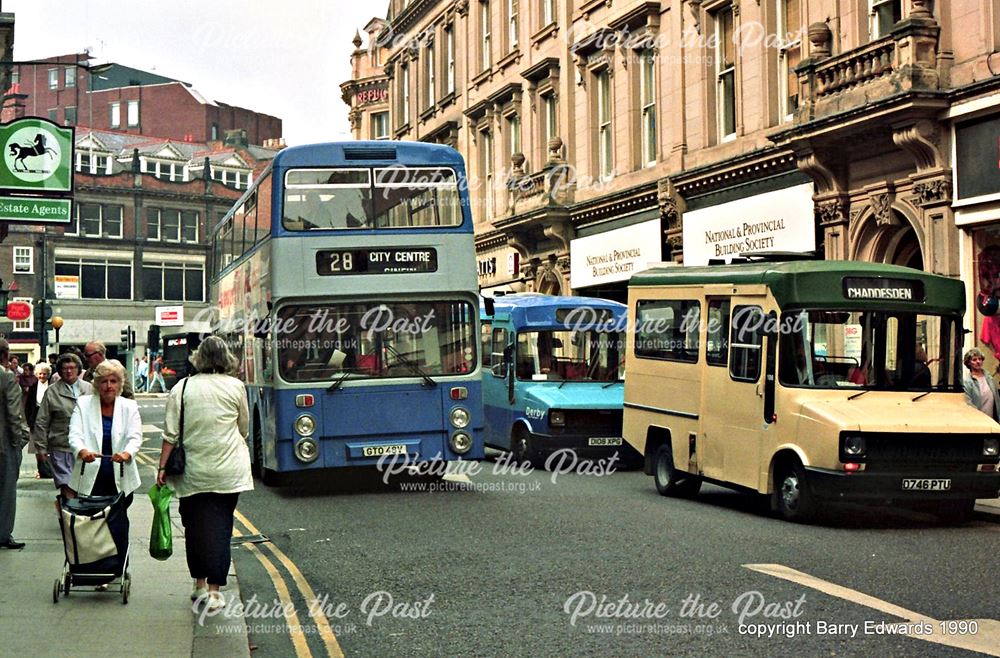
485	338
745	342
496	352
717	347
668	329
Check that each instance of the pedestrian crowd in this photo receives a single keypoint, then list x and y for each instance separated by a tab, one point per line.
77	414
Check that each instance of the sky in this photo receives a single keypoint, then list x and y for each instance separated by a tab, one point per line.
286	59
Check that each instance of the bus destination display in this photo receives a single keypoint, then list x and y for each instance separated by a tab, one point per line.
331	262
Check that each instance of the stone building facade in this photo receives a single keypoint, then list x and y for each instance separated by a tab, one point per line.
601	135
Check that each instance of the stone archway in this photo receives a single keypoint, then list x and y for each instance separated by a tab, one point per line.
893	240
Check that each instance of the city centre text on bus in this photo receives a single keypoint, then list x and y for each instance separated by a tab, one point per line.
810	381
345	281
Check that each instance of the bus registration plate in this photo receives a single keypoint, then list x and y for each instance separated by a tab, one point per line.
926	484
604	441
378	451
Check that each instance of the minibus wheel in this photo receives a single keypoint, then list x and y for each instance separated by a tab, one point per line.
520	446
794	501
669	481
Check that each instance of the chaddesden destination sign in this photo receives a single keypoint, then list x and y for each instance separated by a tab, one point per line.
883	289
332	262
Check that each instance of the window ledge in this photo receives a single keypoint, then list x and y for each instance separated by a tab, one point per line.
549	30
402	130
512	57
594	5
428	113
447	100
485	76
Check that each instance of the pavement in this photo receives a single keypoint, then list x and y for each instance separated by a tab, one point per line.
159	619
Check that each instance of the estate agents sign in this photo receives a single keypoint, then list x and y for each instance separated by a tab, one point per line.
36	168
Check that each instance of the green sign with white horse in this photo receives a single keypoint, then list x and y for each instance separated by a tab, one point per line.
37	157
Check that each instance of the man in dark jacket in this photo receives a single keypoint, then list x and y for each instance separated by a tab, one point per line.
13	437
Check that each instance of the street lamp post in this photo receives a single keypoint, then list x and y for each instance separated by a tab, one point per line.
57	323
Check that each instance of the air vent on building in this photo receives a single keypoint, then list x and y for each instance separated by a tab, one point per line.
377	153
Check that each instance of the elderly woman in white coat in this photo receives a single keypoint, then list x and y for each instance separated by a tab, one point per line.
105	434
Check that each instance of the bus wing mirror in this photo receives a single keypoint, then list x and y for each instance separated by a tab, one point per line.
489	306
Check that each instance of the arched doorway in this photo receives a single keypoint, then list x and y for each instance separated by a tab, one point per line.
893	242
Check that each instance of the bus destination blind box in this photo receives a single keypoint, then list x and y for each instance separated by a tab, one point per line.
880	289
333	262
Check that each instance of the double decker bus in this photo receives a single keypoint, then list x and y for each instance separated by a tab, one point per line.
345	281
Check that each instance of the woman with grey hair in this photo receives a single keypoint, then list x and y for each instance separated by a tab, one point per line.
51	431
106	427
216	422
980	388
31	401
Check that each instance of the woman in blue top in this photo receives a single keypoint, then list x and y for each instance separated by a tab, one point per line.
108	428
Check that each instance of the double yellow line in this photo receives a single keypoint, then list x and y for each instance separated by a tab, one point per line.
315	610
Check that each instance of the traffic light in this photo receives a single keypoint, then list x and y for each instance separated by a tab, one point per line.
126	333
131	338
153	338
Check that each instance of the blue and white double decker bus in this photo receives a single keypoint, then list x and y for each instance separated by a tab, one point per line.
345	281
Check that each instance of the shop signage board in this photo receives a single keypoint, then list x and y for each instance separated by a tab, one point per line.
781	220
614	255
36	172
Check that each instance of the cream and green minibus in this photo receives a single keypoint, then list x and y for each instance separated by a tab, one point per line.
809	381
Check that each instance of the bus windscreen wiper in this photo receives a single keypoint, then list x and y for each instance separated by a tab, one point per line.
339	381
410	364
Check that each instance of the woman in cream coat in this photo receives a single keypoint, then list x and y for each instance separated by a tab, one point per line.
105	428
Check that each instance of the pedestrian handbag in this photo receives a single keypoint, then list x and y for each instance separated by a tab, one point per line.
178	459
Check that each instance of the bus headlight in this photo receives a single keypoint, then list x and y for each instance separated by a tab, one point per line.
991	447
557	418
854	446
307	450
305	425
459	417
460	443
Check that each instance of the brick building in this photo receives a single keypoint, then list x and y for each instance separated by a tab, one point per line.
132	101
604	134
143	211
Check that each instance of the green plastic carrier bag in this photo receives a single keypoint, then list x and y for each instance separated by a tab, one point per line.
161	537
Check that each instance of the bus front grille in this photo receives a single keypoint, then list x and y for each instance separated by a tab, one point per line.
929	453
594	422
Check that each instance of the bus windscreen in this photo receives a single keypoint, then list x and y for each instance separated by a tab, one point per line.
393	197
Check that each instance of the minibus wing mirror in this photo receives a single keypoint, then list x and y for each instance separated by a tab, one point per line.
489	307
508	369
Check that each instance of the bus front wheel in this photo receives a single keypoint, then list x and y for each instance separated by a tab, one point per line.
267	477
520	446
669	482
793	499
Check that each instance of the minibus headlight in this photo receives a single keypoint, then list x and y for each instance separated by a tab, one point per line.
305	425
460	443
991	447
306	450
854	446
459	417
557	418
